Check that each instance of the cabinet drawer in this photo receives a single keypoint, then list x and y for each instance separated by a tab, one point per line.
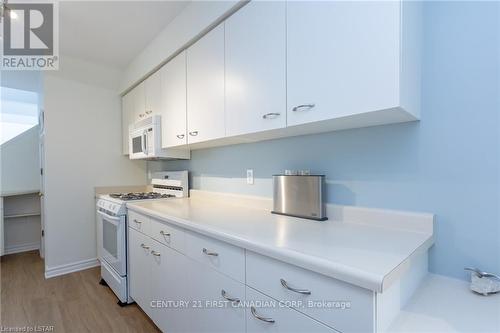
168	234
211	293
225	258
280	318
139	222
340	305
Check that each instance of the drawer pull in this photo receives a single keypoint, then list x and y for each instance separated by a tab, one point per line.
300	291
303	107
163	233
208	253
157	254
137	221
231	299
180	136
144	246
193	133
271	115
254	313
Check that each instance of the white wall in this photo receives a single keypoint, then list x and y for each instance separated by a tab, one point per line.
194	20
19	160
82	150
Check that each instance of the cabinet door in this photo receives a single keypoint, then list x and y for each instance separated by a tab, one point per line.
205	87
173	91
256	68
267	315
152	94
139	98
169	287
210	311
127	119
140	269
342	58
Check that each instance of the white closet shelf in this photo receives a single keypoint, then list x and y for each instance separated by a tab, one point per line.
13	216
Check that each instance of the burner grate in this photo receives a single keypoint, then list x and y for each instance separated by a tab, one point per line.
140	196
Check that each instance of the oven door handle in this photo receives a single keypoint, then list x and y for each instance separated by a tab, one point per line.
113	219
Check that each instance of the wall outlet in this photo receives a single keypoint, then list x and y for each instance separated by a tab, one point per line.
250	176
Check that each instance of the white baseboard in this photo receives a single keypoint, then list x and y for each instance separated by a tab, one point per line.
70	268
21	248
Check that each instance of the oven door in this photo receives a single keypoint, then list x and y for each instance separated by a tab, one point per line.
138	144
114	247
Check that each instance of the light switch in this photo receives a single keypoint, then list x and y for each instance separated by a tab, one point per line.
250	176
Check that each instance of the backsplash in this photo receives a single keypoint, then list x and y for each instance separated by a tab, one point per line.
424	166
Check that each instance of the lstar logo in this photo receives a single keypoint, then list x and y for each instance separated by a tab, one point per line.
30	39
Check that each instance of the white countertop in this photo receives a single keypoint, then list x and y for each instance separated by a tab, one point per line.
445	305
363	254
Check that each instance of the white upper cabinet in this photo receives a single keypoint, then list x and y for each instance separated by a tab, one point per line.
152	92
256	68
139	98
343	59
146	98
173	94
283	68
205	87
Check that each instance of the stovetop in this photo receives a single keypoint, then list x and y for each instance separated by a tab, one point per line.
140	196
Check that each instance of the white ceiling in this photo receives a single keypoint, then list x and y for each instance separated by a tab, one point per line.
112	32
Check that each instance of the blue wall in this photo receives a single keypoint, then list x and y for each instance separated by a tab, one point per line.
447	164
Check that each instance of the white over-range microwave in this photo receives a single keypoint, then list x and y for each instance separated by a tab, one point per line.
145	141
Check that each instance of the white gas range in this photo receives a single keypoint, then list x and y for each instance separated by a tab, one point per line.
112	227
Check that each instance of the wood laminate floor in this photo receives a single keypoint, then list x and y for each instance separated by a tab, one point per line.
70	303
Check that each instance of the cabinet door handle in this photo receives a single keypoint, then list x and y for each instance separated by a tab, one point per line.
137	221
193	133
254	313
180	136
163	233
271	115
303	107
141	115
156	254
145	246
209	253
300	291
149	111
230	299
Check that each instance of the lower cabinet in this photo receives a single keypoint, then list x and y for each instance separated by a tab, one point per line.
140	269
217	300
181	294
265	314
169	288
205	285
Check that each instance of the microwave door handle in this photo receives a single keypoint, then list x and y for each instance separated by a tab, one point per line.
145	142
143	146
